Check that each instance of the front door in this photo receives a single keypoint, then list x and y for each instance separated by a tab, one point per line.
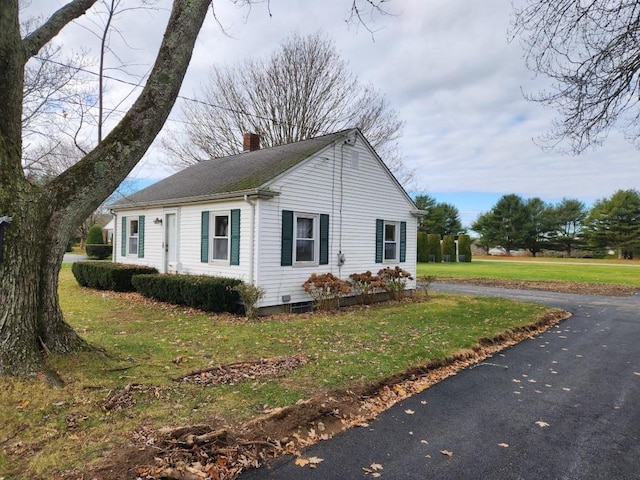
170	243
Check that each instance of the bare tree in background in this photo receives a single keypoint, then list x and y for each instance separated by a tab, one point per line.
304	89
591	52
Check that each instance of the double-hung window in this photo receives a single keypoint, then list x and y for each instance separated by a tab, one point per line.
220	248
306	238
220	237
390	241
132	236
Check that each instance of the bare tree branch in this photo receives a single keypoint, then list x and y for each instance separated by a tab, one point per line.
37	39
302	90
590	51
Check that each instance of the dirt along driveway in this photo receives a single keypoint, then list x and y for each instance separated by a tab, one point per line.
564	404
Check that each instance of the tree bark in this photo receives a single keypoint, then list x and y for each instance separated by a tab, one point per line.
45	216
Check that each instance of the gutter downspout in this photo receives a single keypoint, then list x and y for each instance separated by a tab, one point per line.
252	238
113	240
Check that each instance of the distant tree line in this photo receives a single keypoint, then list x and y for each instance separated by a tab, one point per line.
612	224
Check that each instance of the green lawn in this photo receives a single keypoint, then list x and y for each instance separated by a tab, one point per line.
541	270
44	430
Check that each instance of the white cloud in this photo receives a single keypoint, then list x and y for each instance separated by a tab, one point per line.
445	65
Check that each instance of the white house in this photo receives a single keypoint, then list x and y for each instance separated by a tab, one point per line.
274	216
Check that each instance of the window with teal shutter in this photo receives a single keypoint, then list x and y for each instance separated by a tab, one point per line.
379	240
141	236
403	241
324	239
204	237
235	237
286	248
123	238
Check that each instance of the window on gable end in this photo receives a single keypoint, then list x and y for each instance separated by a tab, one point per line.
306	238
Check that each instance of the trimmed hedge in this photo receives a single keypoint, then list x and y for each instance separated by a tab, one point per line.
99	251
464	248
423	247
448	249
434	251
107	275
94	237
211	294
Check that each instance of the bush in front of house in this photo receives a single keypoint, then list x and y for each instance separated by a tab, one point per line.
464	248
108	276
326	290
395	281
210	294
99	252
367	285
448	249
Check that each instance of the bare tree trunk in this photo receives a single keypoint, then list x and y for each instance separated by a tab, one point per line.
44	216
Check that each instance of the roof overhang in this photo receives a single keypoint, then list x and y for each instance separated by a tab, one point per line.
419	213
253	194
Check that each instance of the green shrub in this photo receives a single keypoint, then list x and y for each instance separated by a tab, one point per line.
464	248
448	249
107	275
211	294
250	295
94	237
434	251
423	247
98	251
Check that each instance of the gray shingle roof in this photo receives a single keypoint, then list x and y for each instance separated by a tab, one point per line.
236	173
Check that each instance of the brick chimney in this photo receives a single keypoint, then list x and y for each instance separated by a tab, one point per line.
251	142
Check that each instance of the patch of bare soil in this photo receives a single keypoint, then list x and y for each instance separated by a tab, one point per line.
217	451
560	287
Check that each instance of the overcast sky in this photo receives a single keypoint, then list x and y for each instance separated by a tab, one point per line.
446	66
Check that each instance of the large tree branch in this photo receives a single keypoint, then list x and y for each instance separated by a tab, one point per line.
60	19
81	188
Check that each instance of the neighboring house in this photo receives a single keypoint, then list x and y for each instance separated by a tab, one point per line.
274	216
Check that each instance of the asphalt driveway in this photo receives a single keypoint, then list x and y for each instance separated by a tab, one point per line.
563	405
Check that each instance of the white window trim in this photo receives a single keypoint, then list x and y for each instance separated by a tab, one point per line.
130	236
212	235
316	239
396	241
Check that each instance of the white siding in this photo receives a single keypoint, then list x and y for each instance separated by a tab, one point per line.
354	194
189	238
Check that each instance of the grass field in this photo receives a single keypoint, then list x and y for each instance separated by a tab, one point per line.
45	430
543	269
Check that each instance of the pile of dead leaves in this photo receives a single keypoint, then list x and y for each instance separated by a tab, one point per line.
232	373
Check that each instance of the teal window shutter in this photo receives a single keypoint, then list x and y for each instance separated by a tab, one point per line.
235	237
141	236
403	241
204	237
324	239
379	240
123	237
286	249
